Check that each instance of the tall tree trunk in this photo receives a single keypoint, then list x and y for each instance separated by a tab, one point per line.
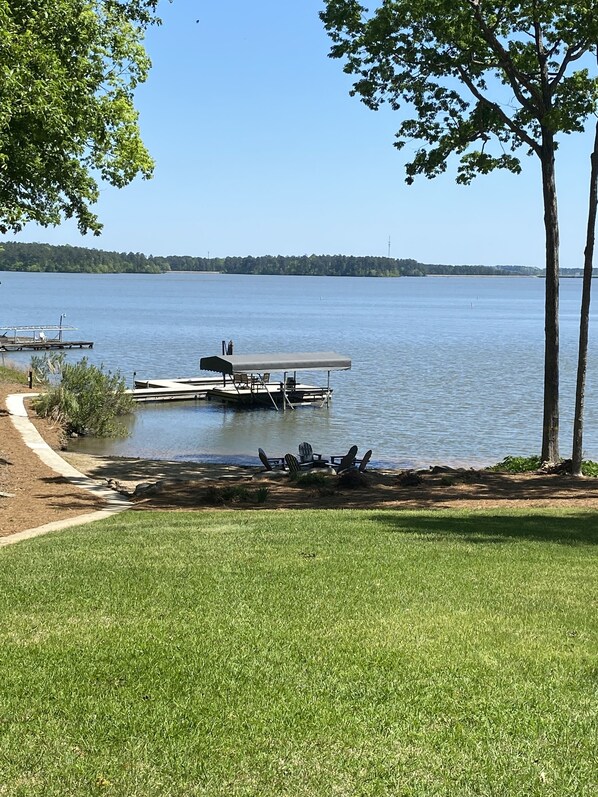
550	433
584	321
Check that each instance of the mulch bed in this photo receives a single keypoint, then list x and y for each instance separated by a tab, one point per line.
464	489
35	494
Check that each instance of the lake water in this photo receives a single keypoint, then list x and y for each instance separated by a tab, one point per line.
444	370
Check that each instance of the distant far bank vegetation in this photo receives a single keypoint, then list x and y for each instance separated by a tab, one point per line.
76	259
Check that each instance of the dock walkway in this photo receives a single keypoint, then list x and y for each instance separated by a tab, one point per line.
35	344
15	338
182	389
215	388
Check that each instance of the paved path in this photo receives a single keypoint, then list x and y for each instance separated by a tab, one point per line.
31	437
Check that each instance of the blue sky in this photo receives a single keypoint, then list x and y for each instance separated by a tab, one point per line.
260	149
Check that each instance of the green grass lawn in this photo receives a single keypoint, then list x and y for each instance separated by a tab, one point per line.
302	653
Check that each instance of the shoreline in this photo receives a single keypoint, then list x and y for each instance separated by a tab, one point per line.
248	460
131	471
177	486
32	494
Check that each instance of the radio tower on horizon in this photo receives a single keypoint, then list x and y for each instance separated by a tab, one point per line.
389	245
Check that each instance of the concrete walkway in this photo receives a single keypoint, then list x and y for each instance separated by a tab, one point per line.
115	503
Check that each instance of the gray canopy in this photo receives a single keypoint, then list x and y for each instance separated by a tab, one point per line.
261	363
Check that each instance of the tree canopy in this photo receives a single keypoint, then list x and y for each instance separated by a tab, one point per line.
68	71
476	74
486	80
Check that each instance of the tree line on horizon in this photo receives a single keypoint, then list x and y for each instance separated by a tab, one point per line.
39	257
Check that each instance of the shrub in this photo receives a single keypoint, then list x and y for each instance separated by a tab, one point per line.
87	400
589	468
526	464
311	479
261	495
352	479
47	368
516	465
235	494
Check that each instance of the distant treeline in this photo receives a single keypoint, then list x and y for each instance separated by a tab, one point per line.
45	257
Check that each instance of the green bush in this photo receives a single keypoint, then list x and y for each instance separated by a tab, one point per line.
86	401
261	495
527	464
47	368
516	465
311	478
589	468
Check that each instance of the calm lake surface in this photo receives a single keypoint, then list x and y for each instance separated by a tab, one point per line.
445	370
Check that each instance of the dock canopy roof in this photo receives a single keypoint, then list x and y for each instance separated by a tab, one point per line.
261	363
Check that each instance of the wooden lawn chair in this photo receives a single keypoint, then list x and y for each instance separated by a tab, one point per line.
364	462
292	463
307	458
270	463
306	452
346	462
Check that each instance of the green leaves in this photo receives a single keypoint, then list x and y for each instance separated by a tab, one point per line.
88	400
68	70
495	73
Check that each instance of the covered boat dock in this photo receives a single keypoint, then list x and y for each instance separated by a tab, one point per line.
251	381
248	379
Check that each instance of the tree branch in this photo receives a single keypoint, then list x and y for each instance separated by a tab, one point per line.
571	55
515	128
517	79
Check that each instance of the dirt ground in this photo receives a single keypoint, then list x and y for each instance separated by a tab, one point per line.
31	494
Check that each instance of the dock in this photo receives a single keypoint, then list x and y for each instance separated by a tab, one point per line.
246	380
35	338
180	389
213	388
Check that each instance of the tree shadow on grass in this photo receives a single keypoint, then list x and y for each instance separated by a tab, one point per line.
483	527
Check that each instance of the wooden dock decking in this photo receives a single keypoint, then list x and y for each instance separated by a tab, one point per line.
35	344
214	388
183	389
17	338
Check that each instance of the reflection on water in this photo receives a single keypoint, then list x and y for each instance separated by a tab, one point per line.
444	370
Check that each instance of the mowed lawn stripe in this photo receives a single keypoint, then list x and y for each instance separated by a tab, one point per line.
302	653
